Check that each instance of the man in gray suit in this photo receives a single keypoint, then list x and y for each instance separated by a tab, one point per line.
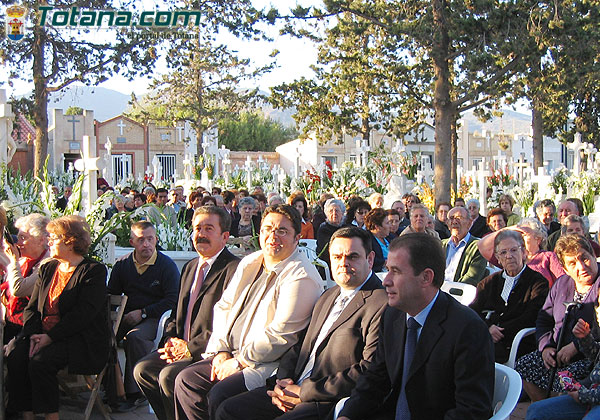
339	343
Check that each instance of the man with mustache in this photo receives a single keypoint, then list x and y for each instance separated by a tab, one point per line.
260	316
203	280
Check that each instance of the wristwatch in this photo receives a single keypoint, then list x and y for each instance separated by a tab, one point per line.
144	314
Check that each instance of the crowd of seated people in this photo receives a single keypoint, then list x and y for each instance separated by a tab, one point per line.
259	338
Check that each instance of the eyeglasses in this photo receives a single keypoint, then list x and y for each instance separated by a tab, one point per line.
267	230
505	252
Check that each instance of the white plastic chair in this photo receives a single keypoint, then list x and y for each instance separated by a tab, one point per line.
162	322
328	281
515	346
310	244
338	407
507	390
463	292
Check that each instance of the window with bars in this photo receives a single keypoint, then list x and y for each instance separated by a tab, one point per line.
122	167
168	164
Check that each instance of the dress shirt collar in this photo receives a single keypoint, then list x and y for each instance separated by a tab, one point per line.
421	317
210	261
351	292
461	242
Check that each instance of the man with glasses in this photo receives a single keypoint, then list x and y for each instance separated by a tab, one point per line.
464	263
509	300
259	317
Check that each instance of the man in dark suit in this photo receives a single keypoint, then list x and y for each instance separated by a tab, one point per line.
435	358
479	228
188	330
316	372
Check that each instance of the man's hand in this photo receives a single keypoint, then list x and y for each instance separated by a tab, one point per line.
286	395
227	368
496	333
133	318
175	349
216	363
566	354
38	342
574	395
581	329
548	357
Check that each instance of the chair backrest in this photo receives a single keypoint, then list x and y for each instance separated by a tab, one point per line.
160	330
507	390
309	243
116	309
463	292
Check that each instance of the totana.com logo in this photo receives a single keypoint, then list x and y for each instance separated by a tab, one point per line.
15	22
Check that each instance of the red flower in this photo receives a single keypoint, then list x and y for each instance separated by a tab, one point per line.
328	164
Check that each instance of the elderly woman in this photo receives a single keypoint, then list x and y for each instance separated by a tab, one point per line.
509	300
298	201
65	322
573	224
534	235
22	271
334	213
355	215
580	286
419	221
246	224
506	203
377	223
496	219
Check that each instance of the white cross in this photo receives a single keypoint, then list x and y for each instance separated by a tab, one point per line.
179	129
121	127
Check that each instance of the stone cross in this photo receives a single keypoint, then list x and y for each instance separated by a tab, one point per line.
482	175
248	169
123	167
187	163
576	146
73	120
156	166
121	126
7	145
543	180
520	166
88	165
108	172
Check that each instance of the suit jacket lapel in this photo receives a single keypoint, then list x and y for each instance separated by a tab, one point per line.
396	345
188	282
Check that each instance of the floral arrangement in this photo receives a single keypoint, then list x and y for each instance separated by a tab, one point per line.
560	180
501	178
586	186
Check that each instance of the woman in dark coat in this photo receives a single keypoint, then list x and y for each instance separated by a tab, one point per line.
65	322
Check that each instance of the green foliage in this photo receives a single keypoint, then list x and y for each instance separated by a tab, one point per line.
74	110
251	131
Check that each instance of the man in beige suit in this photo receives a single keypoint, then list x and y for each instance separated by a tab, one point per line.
263	309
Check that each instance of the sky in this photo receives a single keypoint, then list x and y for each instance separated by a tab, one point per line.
293	61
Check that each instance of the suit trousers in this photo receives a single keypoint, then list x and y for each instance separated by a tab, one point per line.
138	342
197	397
156	379
32	383
257	405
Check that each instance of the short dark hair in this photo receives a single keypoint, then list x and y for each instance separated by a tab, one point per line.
424	251
548	203
216	190
393	212
495	212
259	197
228	196
443	203
354	232
571	245
224	217
207	199
193	195
288	211
374	218
161	190
142	225
141	196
